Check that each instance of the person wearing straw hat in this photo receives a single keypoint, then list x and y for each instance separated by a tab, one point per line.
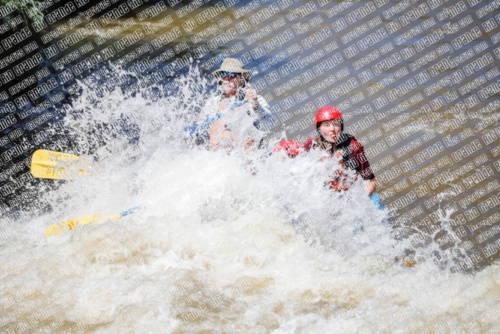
237	96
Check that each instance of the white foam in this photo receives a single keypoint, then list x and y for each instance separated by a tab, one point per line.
231	241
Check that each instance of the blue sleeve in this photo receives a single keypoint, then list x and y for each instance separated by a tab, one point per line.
376	200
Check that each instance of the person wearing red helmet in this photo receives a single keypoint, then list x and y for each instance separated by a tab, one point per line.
290	147
332	138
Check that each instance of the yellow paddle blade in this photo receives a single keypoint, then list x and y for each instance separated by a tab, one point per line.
56	165
70	224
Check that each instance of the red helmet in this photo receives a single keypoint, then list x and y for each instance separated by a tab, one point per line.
326	114
291	147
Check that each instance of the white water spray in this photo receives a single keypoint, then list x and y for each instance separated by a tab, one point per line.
235	241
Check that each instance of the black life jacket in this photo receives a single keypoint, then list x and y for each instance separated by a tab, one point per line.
343	145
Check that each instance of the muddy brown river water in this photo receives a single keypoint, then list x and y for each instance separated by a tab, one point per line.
418	84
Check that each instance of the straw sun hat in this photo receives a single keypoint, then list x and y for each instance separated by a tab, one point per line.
232	65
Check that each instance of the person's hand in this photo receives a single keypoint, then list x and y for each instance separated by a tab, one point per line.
370	187
248	144
251	96
222	106
218	133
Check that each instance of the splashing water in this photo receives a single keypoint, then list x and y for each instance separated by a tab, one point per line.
231	240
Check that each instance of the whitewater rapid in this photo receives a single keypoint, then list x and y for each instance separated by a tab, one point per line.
229	241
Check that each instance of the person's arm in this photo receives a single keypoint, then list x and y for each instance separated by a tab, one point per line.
264	115
217	133
371	187
363	167
252	98
258	104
